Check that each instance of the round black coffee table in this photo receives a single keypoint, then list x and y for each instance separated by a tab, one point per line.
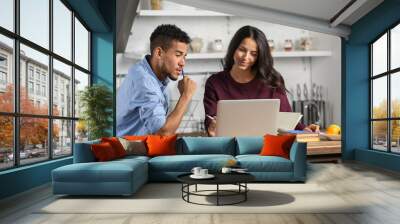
238	179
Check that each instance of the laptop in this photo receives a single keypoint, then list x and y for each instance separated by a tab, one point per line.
253	117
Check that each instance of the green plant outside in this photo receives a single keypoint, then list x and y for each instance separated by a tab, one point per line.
96	102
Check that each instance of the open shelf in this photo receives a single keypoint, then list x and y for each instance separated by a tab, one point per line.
180	13
209	55
288	54
221	55
275	54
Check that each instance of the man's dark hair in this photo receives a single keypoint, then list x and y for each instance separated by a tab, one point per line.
164	34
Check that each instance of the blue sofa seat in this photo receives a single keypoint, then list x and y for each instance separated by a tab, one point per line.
257	163
119	177
167	168
271	168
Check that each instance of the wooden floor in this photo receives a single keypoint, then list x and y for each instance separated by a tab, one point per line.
378	188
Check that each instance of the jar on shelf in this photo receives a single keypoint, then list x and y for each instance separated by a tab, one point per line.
155	4
216	45
196	45
305	43
288	45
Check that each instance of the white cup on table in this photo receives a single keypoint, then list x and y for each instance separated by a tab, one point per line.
196	170
203	172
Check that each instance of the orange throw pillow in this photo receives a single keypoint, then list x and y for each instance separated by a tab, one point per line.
116	145
158	145
277	145
103	152
136	137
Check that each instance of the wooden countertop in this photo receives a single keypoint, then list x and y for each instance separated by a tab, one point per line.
324	147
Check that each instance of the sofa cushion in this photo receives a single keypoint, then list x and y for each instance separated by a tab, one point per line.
249	145
277	145
134	147
131	158
257	163
112	171
136	137
206	145
159	145
103	152
116	145
185	163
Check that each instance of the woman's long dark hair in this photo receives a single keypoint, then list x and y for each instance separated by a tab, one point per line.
263	68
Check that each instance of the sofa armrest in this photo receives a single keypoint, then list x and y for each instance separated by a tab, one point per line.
83	152
298	155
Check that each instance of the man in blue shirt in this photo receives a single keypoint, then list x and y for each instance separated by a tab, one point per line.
142	99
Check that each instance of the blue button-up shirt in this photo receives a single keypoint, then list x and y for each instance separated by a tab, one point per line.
142	101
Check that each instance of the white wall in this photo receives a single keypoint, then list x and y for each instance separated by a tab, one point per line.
322	70
326	71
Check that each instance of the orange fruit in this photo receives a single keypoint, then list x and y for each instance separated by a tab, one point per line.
333	129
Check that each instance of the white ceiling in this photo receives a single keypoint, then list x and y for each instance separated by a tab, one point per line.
313	15
320	9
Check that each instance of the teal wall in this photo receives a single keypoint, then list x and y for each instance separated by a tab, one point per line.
24	178
103	53
99	16
355	92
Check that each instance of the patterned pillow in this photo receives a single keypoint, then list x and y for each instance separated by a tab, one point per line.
134	147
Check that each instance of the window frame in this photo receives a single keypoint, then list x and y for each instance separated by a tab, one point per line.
16	114
388	74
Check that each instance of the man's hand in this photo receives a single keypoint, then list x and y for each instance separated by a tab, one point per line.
187	87
312	128
212	127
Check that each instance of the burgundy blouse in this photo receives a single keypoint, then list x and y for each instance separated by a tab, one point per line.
222	86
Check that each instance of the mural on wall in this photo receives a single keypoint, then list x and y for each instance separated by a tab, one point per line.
304	59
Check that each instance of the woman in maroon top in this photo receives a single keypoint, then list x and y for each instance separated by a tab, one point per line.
248	74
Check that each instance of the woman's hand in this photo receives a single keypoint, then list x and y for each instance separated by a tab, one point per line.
212	126
312	128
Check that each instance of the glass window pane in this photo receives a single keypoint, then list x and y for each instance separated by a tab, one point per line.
81	131
395	47
32	61
33	139
379	55
62	89
395	136
62	29
81	81
379	135
62	141
35	21
379	97
7	14
81	45
6	74
6	142
395	94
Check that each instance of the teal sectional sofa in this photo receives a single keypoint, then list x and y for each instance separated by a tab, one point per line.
125	176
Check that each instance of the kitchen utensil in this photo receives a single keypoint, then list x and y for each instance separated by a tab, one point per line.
305	91
298	91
